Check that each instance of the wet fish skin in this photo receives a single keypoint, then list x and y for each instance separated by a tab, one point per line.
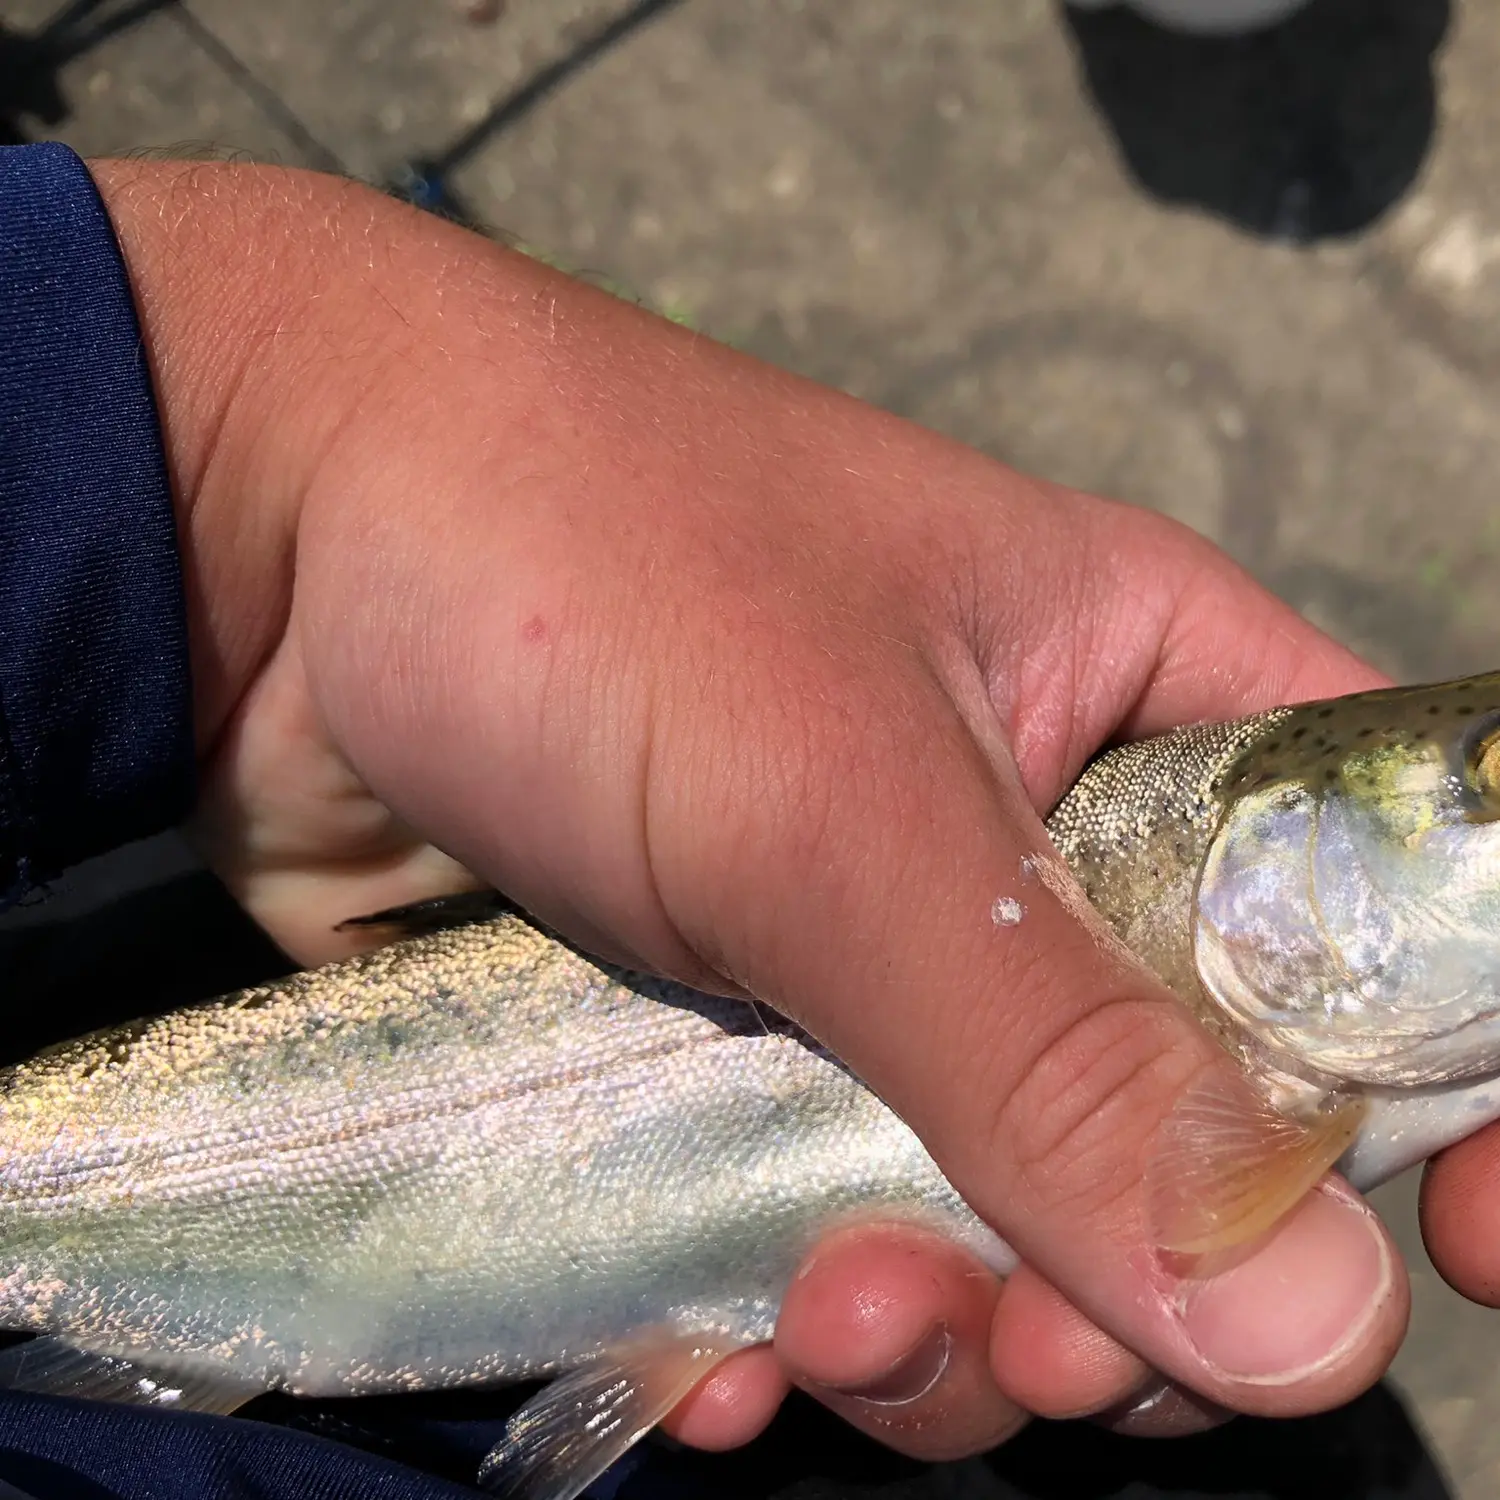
1321	885
474	1157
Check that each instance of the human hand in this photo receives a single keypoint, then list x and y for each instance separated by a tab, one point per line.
732	678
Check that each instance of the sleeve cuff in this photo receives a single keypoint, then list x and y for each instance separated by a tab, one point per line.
96	743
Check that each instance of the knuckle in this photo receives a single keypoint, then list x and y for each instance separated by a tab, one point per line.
1075	1126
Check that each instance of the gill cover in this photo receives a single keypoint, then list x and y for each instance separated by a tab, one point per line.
1348	911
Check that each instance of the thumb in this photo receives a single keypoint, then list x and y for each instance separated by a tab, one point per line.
1028	1050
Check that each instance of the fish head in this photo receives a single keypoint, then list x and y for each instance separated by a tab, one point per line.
1347	915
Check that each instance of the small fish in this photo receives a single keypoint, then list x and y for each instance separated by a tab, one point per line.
479	1155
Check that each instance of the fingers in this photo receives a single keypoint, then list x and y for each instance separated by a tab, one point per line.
889	1326
1461	1216
886	1324
918	1345
1050	1359
734	1405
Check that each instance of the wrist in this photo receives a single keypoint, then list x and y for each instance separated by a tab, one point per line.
241	295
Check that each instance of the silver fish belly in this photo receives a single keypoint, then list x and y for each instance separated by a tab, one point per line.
476	1157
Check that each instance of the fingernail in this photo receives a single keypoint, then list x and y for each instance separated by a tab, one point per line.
909	1379
1165	1410
1298	1304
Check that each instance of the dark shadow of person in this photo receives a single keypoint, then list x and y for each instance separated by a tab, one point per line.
1305	130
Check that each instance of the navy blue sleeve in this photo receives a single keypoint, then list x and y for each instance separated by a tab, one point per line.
96	742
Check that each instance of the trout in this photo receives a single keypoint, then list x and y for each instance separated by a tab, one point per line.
479	1155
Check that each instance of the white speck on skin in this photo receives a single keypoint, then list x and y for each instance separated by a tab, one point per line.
1007	911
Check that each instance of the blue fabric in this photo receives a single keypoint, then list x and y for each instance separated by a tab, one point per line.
95	718
52	1449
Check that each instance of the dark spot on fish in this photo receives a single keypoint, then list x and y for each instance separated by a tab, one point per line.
1434	708
1330	776
1299	731
1419	735
1273	747
1464	709
1321	743
258	1002
1325	713
1365	733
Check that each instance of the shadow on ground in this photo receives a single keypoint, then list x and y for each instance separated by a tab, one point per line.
1306	130
28	86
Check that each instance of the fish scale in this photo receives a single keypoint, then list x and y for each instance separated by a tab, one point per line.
1137	854
427	1187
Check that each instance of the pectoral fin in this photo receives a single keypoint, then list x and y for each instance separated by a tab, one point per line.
570	1433
51	1366
1226	1166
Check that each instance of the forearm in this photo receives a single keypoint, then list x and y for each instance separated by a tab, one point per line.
236	284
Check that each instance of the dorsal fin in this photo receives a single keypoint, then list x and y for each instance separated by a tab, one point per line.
441	912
